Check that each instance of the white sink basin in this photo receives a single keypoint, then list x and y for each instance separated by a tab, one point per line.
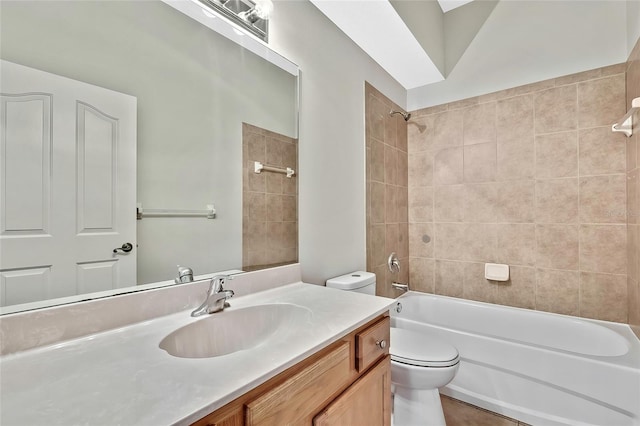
231	331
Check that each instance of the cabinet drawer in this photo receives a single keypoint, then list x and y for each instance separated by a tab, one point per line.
369	346
297	399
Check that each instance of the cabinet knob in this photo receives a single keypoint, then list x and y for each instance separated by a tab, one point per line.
381	343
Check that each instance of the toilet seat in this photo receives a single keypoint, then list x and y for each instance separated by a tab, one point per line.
410	347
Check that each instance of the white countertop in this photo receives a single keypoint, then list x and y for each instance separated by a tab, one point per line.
122	377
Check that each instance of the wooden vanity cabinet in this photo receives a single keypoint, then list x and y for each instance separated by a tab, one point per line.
347	383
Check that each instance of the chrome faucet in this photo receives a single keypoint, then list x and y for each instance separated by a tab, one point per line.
185	275
217	296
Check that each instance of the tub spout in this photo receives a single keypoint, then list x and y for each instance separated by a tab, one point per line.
400	286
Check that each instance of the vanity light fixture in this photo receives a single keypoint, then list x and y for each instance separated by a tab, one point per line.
250	15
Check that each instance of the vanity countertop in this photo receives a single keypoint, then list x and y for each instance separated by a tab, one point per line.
122	376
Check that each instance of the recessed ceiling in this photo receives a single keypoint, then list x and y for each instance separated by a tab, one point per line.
376	27
447	5
477	47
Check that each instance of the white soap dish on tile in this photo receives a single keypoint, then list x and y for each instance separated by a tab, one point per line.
496	272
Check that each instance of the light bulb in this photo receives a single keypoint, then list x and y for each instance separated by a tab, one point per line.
263	8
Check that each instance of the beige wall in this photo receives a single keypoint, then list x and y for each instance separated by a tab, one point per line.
269	200
633	194
387	180
532	177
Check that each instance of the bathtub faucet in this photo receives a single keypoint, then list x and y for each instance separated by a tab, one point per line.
400	286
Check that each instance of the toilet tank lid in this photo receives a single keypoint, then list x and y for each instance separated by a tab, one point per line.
352	281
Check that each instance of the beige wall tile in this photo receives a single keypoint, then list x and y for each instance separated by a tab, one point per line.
383	283
632	152
558	291
603	199
254	236
377	202
603	248
447	167
557	200
557	246
390	129
633	296
449	278
274	183
403	204
420	203
601	102
377	161
520	290
602	152
480	162
420	133
528	88
255	207
603	296
375	112
421	237
391	203
448	203
274	208
447	130
480	242
450	240
392	239
516	201
254	182
421	169
633	251
479	123
480	202
390	165
633	200
516	244
401	136
557	155
378	245
515	158
403	169
421	274
403	241
289	208
514	118
457	413
556	109
475	286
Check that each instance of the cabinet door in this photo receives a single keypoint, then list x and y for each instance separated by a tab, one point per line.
366	403
297	399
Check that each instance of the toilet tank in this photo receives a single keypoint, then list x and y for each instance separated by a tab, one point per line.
359	281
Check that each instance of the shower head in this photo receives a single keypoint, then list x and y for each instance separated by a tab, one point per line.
405	115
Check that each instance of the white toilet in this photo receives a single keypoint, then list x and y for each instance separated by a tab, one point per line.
419	365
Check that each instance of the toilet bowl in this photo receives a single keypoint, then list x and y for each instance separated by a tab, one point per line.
419	366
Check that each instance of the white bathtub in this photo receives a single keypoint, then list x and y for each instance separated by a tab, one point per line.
537	367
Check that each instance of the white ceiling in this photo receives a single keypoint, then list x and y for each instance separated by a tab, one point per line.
447	5
519	42
377	28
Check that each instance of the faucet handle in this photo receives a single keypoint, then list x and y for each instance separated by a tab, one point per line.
185	275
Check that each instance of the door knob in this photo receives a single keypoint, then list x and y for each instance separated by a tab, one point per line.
126	248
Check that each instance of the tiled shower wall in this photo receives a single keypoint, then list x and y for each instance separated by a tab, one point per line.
269	200
633	191
532	177
387	175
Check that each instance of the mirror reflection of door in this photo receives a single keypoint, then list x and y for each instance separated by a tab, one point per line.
68	186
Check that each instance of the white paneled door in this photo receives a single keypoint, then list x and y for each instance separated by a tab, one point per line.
68	186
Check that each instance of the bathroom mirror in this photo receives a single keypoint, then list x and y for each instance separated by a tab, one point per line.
154	91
